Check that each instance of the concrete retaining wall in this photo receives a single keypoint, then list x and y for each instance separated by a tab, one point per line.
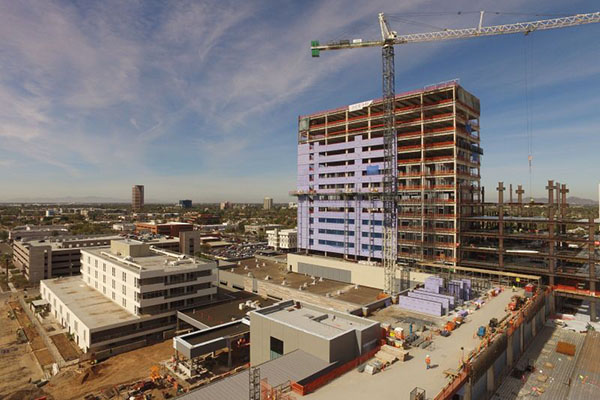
493	364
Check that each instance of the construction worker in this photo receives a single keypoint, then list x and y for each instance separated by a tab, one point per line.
428	361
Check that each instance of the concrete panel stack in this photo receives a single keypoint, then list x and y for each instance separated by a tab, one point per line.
420	305
434	284
437	295
466	289
431	297
456	288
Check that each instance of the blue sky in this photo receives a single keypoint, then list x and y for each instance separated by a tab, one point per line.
200	99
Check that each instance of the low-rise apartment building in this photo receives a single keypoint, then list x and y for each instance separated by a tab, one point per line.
54	257
128	295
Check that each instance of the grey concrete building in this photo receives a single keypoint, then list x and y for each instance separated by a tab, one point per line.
54	257
329	335
37	231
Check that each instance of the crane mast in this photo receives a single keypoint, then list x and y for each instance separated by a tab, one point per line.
390	144
390	161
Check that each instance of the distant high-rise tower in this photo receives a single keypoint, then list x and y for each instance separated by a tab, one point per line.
268	203
137	197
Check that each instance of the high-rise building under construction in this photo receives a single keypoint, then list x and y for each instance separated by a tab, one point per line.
340	175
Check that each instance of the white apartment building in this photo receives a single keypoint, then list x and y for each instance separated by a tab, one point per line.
128	296
285	239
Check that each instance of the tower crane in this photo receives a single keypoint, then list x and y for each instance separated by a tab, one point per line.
388	40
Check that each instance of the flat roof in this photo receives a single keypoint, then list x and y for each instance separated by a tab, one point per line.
228	310
206	335
90	306
312	319
62	242
293	366
154	262
278	273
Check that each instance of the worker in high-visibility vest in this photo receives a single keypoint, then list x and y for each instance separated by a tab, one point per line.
428	361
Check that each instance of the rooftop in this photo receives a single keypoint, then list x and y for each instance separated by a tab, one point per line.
227	310
313	319
147	258
293	366
88	305
277	273
64	242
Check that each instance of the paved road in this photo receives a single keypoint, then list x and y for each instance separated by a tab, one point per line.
397	381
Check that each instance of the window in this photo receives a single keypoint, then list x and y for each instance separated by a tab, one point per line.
103	278
89	261
124	277
96	274
75	324
124	289
113	283
103	267
114	272
113	295
96	284
103	289
96	263
276	348
124	302
135	310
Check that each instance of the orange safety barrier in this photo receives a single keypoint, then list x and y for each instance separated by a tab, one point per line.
574	290
331	375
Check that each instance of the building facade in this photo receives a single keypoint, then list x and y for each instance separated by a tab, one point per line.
340	175
54	257
137	197
185	204
37	231
128	294
285	239
267	203
167	229
331	336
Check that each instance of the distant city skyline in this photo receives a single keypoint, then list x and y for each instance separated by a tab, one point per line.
200	100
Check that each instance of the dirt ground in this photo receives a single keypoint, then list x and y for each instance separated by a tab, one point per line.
36	342
65	347
122	368
18	365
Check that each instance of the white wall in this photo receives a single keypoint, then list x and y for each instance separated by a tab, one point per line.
66	318
361	274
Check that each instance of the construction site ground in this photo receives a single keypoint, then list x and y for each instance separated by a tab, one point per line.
120	369
66	347
35	341
397	381
18	364
359	295
552	371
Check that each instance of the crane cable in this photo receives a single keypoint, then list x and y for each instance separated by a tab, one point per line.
528	68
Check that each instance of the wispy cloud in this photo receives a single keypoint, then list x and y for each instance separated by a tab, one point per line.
116	91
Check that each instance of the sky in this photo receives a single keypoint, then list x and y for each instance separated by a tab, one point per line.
201	99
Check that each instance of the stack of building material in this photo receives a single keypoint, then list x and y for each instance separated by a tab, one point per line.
438	295
420	305
432	297
434	284
399	354
467	289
